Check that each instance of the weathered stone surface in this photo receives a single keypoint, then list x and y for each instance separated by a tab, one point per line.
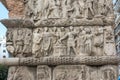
17	23
86	60
83	72
72	33
19	42
44	73
22	73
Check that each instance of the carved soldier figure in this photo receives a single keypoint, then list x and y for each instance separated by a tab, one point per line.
37	38
89	9
70	41
19	42
27	45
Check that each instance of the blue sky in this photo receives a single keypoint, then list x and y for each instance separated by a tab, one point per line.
3	15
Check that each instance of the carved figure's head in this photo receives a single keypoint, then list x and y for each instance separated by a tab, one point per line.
45	29
71	28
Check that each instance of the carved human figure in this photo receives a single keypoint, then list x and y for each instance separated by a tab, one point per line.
19	41
108	74
42	5
64	11
101	7
109	8
39	9
9	36
79	74
11	72
98	41
81	42
67	8
70	41
89	9
42	74
62	76
10	46
82	7
37	38
62	32
88	41
22	73
47	42
55	9
109	46
27	41
77	9
55	31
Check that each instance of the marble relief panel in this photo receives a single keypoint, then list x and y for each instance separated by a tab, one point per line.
72	41
19	41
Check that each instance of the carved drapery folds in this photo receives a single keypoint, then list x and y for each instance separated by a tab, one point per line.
73	41
80	9
67	35
19	41
61	41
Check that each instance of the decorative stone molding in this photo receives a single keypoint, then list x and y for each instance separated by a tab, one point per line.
81	60
22	23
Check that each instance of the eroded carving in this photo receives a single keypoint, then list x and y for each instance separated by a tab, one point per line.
109	46
43	73
19	73
108	73
19	41
72	41
68	9
70	72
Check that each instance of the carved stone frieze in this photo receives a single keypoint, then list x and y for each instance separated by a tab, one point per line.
19	41
79	9
83	72
43	72
61	41
19	73
73	41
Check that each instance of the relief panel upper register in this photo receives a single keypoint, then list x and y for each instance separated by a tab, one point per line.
80	9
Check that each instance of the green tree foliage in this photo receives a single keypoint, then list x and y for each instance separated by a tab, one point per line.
3	72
